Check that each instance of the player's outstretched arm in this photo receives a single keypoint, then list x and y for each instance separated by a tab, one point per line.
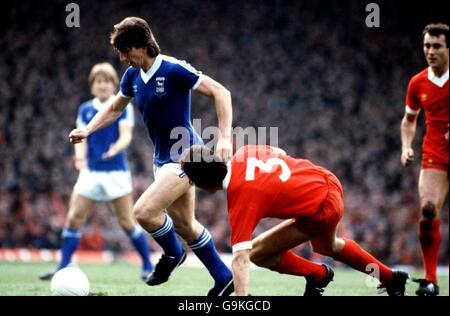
241	271
102	119
222	100
408	131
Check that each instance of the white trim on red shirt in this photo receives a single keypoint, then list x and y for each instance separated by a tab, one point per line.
411	111
226	181
439	81
242	246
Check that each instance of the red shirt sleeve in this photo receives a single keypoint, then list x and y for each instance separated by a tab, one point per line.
412	101
243	217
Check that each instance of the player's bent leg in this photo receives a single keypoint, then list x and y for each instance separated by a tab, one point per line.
328	244
123	208
79	209
271	250
166	189
268	247
349	252
149	208
201	243
433	189
182	212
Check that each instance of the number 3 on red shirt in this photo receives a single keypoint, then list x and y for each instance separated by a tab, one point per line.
267	167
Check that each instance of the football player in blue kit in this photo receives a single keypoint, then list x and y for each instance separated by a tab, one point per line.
161	87
104	174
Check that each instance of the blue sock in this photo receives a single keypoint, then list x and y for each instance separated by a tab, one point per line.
165	236
205	250
71	241
139	241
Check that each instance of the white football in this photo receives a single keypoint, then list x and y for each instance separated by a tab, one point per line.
70	281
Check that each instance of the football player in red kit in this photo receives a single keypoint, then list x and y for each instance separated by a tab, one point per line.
262	181
428	90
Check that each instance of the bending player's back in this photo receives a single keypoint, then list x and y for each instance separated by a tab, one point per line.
270	180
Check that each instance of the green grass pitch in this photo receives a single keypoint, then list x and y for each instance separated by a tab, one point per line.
122	279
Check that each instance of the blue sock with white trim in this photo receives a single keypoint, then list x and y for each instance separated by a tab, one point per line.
139	241
166	237
71	241
205	250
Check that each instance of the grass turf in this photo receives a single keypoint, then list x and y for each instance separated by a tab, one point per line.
122	279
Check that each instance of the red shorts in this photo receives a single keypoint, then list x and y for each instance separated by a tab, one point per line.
330	212
430	161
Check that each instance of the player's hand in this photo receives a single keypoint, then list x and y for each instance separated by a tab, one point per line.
110	153
77	135
224	149
407	156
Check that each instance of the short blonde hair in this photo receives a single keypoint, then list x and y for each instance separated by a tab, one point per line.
105	69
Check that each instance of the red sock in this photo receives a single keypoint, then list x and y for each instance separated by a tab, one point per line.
359	259
290	263
430	239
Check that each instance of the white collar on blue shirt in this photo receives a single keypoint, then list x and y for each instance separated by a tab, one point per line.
146	76
98	105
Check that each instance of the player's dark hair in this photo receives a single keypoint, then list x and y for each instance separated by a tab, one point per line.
436	29
202	167
134	32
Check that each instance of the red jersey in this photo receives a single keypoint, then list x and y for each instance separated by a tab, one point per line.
263	182
427	91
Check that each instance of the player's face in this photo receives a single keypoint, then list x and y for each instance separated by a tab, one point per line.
133	56
436	51
102	88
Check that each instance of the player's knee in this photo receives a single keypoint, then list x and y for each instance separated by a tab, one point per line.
329	250
142	215
429	212
74	220
126	224
255	257
259	258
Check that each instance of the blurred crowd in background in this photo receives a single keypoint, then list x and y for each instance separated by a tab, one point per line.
334	88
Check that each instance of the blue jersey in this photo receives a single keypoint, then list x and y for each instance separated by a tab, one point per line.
99	142
163	96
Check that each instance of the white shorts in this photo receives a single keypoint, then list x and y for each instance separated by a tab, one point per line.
103	186
172	167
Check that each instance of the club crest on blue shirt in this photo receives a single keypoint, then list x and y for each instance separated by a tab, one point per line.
135	88
159	89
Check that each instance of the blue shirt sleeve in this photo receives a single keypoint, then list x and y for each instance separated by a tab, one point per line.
186	76
126	84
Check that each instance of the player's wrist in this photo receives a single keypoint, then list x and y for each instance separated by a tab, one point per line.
225	133
114	149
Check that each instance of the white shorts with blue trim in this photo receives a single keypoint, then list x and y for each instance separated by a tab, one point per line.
103	186
172	167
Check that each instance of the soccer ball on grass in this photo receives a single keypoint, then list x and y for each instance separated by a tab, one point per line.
70	281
